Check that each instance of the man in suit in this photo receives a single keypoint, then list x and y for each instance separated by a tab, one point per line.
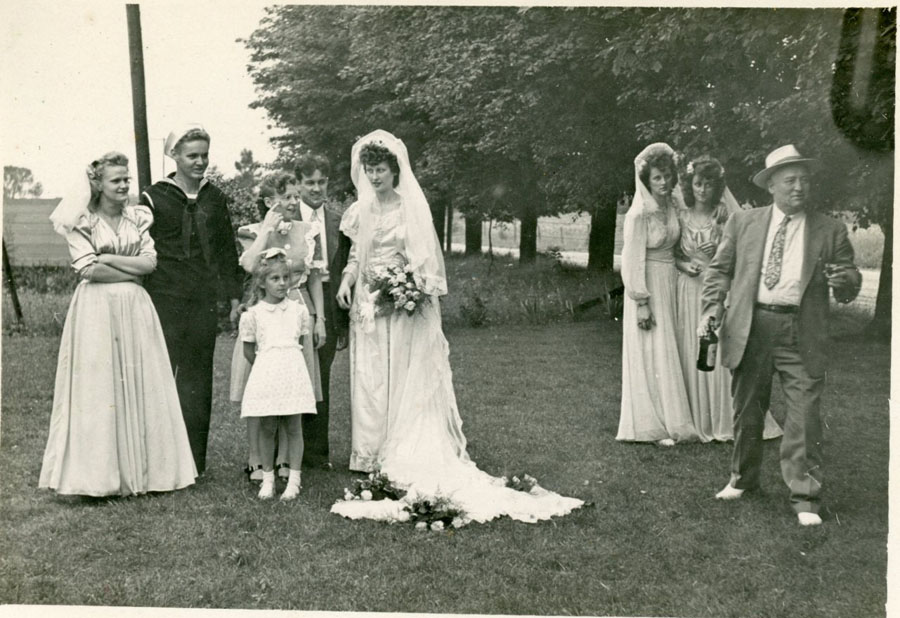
332	249
777	265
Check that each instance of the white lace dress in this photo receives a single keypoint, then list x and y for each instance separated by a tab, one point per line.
279	383
404	415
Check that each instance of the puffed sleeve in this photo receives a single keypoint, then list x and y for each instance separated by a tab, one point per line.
302	319
246	234
634	254
247	326
350	229
81	248
143	217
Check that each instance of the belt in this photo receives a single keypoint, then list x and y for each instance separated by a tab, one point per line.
778	308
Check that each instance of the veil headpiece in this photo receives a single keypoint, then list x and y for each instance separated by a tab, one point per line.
76	201
644	202
423	249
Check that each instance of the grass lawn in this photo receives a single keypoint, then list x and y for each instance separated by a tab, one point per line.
538	399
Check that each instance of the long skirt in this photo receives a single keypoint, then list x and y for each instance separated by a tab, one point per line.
116	427
654	400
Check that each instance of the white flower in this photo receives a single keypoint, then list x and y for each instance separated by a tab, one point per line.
409	306
348	495
437	526
409	285
457	522
403	516
365	494
401	277
422	525
401	299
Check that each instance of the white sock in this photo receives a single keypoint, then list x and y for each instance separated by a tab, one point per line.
293	486
267	489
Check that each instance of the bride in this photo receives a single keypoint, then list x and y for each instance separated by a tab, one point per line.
404	418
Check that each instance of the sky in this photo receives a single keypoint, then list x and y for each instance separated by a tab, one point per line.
65	97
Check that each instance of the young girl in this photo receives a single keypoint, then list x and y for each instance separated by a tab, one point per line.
279	384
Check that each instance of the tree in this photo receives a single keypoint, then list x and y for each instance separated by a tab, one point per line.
19	182
526	112
240	188
758	79
248	170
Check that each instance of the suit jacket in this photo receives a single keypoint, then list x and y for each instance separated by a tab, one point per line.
737	267
338	247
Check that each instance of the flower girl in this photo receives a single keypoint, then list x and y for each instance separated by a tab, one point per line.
279	383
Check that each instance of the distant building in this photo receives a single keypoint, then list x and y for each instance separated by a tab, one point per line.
28	233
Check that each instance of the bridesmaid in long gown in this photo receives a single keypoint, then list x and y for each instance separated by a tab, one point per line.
708	204
116	426
654	401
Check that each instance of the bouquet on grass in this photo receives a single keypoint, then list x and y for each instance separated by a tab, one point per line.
396	287
376	486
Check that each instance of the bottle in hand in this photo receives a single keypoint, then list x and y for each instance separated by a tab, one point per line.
709	344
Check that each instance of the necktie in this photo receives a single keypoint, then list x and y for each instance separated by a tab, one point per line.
194	215
773	267
317	252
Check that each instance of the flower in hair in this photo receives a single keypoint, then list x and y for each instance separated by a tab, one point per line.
91	170
690	168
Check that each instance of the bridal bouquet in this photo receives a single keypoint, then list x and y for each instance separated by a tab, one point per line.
435	513
397	288
376	486
525	483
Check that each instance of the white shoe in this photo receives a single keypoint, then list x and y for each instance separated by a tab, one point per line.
267	489
730	493
809	519
293	486
666	442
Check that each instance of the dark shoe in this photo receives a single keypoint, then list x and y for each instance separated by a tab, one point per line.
254	474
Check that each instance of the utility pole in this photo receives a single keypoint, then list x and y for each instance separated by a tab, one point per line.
138	94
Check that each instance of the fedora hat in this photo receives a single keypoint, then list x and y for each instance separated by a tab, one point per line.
786	155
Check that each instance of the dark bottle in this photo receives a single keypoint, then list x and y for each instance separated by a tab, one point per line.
709	346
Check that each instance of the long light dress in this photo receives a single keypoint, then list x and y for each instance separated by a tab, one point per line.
116	426
709	393
654	400
279	382
404	416
299	242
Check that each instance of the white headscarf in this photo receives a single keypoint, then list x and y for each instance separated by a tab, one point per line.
75	202
423	249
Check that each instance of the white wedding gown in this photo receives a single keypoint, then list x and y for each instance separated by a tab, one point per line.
411	429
